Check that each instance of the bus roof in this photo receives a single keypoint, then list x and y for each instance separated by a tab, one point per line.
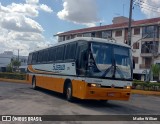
88	39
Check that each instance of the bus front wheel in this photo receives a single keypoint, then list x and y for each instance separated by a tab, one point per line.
69	92
34	83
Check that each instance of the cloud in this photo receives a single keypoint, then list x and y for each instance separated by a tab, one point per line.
26	36
20	23
150	7
46	8
18	29
79	11
32	1
24	9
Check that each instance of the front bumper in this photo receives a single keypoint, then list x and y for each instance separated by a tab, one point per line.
97	93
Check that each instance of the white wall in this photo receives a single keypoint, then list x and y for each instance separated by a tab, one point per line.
118	39
137	52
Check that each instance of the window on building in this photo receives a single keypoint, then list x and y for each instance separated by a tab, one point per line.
73	36
79	35
87	35
106	34
99	34
93	34
60	38
63	38
135	60
67	37
136	45
118	33
137	31
150	32
149	47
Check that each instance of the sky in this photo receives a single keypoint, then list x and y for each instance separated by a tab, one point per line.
29	25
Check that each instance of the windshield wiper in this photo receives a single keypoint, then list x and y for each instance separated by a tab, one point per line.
115	68
108	69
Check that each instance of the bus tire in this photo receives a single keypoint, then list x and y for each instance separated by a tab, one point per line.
103	101
34	83
69	96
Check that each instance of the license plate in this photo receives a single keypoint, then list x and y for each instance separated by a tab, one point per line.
111	94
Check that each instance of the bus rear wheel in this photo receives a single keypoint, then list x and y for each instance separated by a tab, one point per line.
34	83
69	96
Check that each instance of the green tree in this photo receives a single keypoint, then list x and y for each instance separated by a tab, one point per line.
155	68
15	64
9	68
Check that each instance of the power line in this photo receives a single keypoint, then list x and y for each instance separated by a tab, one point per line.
145	7
141	3
148	4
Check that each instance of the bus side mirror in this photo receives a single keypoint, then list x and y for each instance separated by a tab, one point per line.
133	64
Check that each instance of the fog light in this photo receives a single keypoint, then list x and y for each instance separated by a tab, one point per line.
93	85
127	87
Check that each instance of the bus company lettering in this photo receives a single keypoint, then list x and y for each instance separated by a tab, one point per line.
59	67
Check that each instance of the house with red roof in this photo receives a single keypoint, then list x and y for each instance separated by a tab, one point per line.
145	40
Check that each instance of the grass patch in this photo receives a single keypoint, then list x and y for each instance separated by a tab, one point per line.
17	76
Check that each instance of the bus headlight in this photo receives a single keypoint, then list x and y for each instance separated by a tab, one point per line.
94	85
127	87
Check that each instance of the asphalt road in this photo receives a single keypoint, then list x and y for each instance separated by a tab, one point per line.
21	99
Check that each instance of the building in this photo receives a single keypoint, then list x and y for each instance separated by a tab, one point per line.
145	40
5	60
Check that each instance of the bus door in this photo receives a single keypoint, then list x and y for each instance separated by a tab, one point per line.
82	58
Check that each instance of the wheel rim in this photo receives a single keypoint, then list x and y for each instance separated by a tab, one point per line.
33	84
68	93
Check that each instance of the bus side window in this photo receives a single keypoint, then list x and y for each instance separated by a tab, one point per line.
82	58
39	57
53	54
67	52
59	54
30	59
70	51
34	58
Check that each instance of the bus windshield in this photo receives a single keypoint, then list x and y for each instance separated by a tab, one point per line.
111	61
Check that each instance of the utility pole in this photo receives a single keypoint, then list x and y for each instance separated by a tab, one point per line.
129	24
18	55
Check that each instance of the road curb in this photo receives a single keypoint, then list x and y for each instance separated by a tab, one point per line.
142	92
14	81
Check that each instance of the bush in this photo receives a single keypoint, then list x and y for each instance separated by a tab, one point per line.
18	76
146	85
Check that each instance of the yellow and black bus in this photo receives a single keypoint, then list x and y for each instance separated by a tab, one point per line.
84	68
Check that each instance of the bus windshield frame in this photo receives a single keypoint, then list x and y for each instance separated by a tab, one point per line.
110	61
